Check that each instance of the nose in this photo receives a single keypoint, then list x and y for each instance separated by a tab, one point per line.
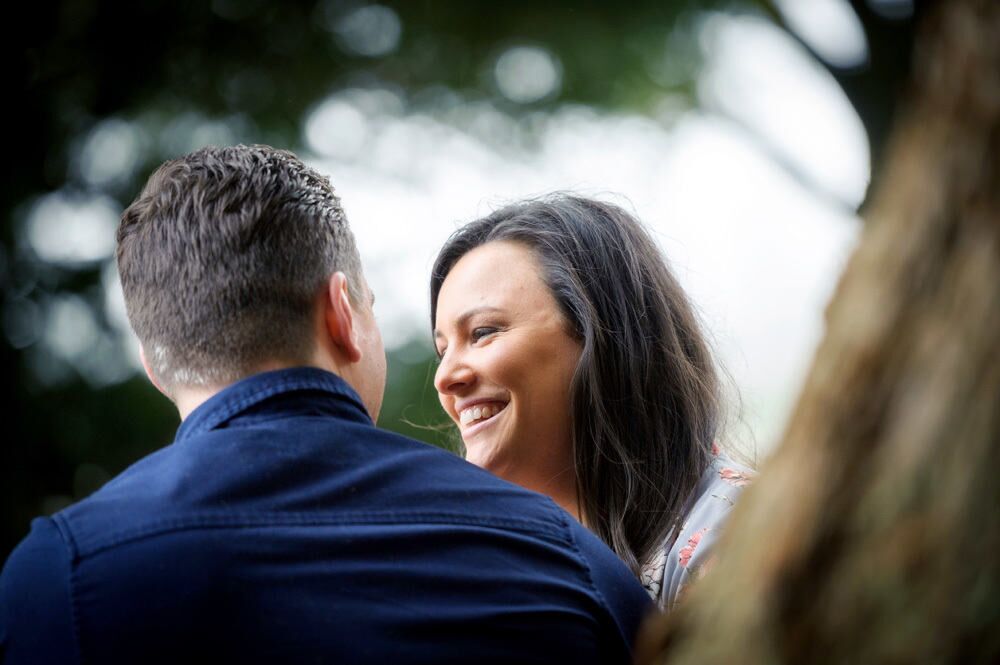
453	375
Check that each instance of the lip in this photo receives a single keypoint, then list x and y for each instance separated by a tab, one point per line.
465	404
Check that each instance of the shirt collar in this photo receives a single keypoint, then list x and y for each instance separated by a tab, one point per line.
251	391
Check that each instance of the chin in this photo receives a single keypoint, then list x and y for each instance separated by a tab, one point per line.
474	456
485	457
500	468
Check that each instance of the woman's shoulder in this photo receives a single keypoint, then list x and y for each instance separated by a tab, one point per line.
723	481
688	554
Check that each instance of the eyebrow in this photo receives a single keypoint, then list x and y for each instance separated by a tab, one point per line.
466	315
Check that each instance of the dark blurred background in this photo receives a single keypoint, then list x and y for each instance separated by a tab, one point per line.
100	93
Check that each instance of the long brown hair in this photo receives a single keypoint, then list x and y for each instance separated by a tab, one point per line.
645	405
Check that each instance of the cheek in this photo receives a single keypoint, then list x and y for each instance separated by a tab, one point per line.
506	367
447	403
540	378
555	364
568	364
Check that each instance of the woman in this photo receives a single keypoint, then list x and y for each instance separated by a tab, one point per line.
573	365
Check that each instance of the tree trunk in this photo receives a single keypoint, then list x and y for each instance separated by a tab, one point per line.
873	534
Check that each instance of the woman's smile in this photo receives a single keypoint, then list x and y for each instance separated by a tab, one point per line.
475	420
479	413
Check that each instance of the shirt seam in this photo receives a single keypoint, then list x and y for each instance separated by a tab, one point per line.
538	528
72	550
590	577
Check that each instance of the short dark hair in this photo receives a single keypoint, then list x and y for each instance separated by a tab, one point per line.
645	394
221	258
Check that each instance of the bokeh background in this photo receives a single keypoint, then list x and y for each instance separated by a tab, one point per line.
743	133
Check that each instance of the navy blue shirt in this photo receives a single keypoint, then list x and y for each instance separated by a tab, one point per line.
282	527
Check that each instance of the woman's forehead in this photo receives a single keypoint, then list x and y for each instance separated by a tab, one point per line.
500	263
500	274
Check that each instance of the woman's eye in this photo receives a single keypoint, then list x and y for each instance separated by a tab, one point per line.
479	333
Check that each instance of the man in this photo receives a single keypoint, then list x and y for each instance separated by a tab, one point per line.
281	526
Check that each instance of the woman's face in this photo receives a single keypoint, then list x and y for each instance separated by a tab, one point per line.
507	360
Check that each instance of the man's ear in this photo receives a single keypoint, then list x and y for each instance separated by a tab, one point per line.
339	318
149	372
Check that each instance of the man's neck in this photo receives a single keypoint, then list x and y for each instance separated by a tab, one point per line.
189	398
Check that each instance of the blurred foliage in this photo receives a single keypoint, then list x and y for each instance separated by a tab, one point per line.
186	73
411	405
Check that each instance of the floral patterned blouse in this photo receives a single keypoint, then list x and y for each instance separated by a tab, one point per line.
689	555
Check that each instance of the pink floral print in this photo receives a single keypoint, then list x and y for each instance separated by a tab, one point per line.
688	551
734	477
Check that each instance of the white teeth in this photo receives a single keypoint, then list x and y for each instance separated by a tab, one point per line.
475	413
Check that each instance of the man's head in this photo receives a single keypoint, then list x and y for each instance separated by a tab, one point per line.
229	262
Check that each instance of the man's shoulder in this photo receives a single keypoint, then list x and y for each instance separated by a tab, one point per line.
417	476
35	604
331	475
386	518
617	588
44	543
323	475
130	503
